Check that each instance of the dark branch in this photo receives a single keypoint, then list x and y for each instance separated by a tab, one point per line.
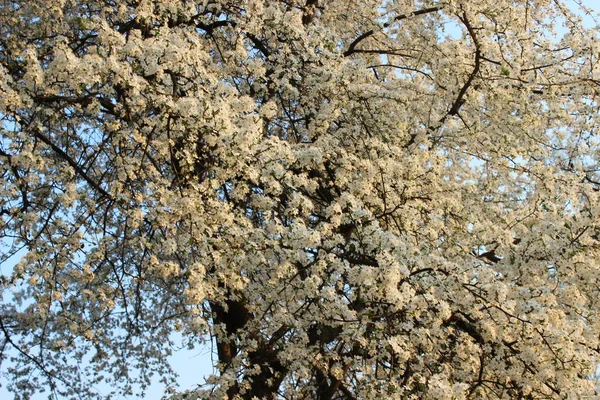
461	94
65	157
352	47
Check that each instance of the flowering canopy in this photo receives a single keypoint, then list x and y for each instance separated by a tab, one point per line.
353	199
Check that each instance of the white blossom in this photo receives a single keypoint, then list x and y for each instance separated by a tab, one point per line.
350	199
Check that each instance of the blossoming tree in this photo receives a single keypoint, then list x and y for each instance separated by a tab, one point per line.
351	199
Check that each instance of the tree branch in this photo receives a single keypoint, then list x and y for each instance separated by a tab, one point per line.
78	170
461	94
352	47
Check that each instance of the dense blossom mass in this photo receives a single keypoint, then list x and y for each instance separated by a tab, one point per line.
352	199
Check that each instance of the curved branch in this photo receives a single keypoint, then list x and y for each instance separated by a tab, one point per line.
461	94
352	48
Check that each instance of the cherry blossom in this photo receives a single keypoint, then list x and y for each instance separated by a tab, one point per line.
350	199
